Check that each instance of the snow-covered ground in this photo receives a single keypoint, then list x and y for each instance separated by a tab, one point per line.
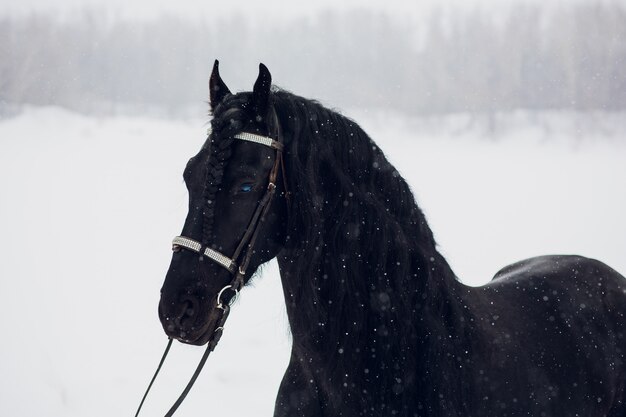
89	206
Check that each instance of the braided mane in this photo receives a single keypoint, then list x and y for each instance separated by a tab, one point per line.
226	122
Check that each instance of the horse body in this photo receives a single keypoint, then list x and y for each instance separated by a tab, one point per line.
544	338
380	324
553	339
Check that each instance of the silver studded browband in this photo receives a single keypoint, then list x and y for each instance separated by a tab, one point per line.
253	137
263	140
194	245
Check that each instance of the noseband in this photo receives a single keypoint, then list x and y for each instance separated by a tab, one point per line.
238	270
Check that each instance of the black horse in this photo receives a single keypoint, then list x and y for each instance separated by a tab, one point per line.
380	324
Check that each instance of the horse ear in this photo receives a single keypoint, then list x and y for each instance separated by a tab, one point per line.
261	91
217	88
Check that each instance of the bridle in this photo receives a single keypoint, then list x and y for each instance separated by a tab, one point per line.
249	238
231	264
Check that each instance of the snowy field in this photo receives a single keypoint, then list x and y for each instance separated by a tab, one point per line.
89	206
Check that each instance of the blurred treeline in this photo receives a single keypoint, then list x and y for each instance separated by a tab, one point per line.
526	57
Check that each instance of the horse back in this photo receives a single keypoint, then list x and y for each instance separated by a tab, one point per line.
568	284
569	273
558	321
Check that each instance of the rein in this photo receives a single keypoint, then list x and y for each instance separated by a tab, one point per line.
229	263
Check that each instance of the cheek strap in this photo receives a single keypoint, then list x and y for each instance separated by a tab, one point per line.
248	240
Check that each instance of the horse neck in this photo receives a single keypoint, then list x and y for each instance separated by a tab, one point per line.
337	313
376	342
359	248
364	286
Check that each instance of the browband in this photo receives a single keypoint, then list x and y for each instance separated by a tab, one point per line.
253	137
263	140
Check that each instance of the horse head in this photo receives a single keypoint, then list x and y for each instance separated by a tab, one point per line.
233	225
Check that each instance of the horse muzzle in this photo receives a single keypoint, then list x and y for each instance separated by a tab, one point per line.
189	323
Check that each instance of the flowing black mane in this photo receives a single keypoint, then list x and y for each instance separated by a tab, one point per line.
369	273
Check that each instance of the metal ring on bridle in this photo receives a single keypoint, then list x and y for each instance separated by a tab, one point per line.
219	295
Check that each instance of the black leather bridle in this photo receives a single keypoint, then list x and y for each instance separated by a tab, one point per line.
244	250
249	238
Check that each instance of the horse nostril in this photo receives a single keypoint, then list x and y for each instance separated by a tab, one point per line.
187	312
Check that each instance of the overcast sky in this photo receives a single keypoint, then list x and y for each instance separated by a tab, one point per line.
276	8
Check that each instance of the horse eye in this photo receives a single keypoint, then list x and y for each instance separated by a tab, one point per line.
246	187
